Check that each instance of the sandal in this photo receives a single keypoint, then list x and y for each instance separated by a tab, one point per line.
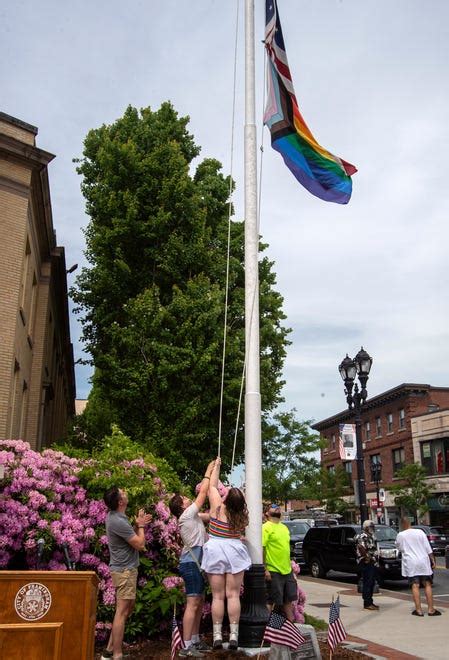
435	613
416	613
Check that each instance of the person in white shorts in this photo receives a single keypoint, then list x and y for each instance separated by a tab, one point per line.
225	557
418	563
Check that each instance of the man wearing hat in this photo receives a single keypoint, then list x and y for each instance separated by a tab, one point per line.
281	583
368	561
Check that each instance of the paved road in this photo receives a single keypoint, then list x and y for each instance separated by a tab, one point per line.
440	585
390	632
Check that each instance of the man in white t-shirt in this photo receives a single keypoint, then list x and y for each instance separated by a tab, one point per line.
193	535
418	563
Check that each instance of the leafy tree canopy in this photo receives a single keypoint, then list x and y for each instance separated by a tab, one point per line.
288	463
152	298
329	488
413	493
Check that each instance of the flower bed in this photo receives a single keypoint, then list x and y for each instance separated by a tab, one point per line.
58	498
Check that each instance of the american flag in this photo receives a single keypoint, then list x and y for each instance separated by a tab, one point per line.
336	632
281	631
176	639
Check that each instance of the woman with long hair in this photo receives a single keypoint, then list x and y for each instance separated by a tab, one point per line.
225	557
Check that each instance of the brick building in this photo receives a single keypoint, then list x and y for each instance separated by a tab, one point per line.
37	381
403	425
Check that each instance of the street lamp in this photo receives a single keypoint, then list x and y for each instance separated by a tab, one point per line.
376	476
355	397
72	269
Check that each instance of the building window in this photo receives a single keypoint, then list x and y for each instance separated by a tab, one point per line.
14	399
23	410
367	431
433	407
398	459
435	456
374	462
389	423
32	311
25	274
402	418
333	441
331	469
378	427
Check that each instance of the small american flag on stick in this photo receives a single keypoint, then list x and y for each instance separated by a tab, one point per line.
280	630
336	632
176	639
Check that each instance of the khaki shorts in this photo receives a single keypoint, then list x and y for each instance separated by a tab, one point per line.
125	583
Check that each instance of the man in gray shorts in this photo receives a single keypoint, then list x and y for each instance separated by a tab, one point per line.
281	584
124	545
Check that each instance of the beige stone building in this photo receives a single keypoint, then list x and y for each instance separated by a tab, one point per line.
430	437
37	382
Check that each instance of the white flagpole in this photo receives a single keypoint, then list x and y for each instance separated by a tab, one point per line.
253	452
254	615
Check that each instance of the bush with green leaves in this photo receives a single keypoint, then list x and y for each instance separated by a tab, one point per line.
57	495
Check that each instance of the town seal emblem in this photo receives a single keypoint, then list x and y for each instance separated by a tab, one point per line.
33	601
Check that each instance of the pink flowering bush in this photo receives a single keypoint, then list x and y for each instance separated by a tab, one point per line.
299	605
58	498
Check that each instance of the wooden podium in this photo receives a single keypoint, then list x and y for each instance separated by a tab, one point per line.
47	615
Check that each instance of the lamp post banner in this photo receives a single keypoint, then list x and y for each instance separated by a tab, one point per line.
347	442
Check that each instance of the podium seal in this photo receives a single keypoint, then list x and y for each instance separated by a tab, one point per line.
32	601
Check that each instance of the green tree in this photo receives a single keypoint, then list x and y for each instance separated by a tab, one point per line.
288	464
412	495
152	298
329	489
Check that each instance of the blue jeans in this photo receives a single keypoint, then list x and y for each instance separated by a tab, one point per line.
369	573
192	577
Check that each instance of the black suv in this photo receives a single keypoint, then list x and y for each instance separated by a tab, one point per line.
437	538
333	548
297	530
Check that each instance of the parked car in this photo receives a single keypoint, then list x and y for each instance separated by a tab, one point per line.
297	530
314	522
437	538
334	548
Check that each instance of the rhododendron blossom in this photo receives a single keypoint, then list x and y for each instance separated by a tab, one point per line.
44	498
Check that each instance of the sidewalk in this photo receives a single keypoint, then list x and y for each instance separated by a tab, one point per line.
389	633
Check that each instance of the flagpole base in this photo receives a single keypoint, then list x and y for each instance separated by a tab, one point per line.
254	614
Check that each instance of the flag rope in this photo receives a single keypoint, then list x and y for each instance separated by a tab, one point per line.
223	361
261	148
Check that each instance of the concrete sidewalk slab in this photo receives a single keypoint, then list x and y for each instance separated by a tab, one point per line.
391	631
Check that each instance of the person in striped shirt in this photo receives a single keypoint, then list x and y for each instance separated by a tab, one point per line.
225	556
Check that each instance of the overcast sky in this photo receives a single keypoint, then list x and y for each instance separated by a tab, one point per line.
371	78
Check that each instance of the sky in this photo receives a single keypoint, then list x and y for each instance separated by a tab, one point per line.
372	81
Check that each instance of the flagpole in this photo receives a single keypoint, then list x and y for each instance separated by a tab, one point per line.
253	452
254	613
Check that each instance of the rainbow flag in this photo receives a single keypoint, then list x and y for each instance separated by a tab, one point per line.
324	175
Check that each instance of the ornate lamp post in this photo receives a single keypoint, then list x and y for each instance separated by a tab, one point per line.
356	397
376	476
